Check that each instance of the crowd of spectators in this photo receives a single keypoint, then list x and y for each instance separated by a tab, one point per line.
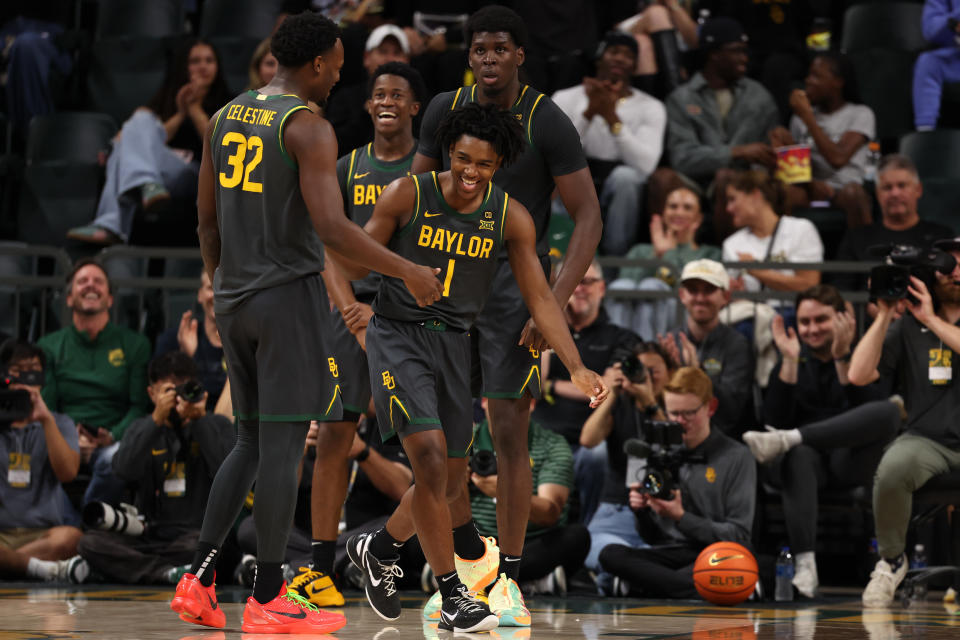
684	110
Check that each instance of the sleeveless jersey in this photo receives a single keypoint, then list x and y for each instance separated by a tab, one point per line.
362	177
464	245
266	236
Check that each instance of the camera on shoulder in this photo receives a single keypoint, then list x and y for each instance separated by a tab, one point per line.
654	461
889	281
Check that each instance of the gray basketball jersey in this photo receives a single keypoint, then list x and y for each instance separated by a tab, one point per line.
266	236
464	245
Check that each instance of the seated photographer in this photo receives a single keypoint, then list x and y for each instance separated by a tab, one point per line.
199	339
711	499
40	452
554	547
705	342
170	457
634	393
918	351
830	433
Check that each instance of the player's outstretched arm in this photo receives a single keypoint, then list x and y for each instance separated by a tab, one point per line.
520	236
311	142
207	230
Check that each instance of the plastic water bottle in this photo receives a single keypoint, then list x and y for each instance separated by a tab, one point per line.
783	590
919	561
873	161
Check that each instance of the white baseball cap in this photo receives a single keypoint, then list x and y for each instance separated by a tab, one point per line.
384	31
709	271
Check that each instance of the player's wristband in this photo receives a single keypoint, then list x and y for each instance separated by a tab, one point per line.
548	392
364	454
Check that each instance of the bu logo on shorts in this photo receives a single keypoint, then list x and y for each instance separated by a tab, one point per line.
333	367
388	380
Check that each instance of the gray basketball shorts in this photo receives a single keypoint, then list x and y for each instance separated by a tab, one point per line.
500	367
420	379
275	354
348	363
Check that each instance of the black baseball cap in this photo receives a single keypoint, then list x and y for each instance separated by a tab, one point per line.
613	38
719	31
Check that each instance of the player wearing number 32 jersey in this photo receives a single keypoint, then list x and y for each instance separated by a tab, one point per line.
419	358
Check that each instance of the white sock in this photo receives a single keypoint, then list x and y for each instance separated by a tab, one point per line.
41	569
793	438
807	558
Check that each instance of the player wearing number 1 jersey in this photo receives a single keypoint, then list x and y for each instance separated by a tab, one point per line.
267	201
419	358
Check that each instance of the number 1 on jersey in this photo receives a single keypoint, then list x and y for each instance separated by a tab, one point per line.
449	277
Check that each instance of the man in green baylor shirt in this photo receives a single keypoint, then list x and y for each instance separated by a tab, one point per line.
419	358
552	159
267	202
395	91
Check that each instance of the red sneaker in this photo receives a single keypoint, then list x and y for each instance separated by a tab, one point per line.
289	613
198	604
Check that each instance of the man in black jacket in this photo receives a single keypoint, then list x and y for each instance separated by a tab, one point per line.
831	432
170	457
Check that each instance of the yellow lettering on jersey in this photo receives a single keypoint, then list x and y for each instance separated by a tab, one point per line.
358	191
486	247
474	249
438	239
251	115
426	232
332	364
388	380
371	197
459	245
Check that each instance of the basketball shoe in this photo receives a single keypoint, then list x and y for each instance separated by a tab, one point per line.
288	613
464	612
198	604
379	577
476	575
506	601
316	587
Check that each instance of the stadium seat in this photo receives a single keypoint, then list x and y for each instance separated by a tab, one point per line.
239	18
937	156
143	18
883	25
62	177
125	72
235	54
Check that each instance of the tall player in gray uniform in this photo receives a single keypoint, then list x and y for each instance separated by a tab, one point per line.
267	198
507	344
419	358
395	92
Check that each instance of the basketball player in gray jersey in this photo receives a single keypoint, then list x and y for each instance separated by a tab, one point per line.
420	358
267	200
395	91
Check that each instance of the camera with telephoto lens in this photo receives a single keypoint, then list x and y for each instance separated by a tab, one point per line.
654	462
889	281
15	404
126	520
191	391
483	462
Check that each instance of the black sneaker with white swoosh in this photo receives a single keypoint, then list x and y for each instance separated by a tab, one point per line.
379	577
463	611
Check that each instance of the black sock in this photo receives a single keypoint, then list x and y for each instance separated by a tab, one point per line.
467	542
324	552
895	562
383	546
266	586
204	563
510	565
448	583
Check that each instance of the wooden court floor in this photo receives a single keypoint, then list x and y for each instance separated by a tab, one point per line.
113	613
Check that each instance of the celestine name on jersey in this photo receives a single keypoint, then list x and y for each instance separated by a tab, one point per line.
452	242
251	115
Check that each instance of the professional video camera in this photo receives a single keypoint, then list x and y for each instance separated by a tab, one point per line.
126	520
483	462
15	404
654	462
889	281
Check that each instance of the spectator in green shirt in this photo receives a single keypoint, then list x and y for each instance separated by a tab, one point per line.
96	374
674	243
553	548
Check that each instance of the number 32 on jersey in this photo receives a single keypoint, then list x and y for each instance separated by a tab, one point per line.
241	173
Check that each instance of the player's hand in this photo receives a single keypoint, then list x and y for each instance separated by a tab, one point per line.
357	316
591	385
187	333
423	284
923	310
531	338
785	338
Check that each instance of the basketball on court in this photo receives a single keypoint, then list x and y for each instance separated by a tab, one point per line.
725	573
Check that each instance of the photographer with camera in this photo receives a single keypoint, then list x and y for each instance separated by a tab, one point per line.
698	487
918	351
830	433
171	457
554	547
634	392
40	452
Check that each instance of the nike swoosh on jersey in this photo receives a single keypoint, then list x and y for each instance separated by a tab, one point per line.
358	176
714	560
158	452
298	616
430	215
